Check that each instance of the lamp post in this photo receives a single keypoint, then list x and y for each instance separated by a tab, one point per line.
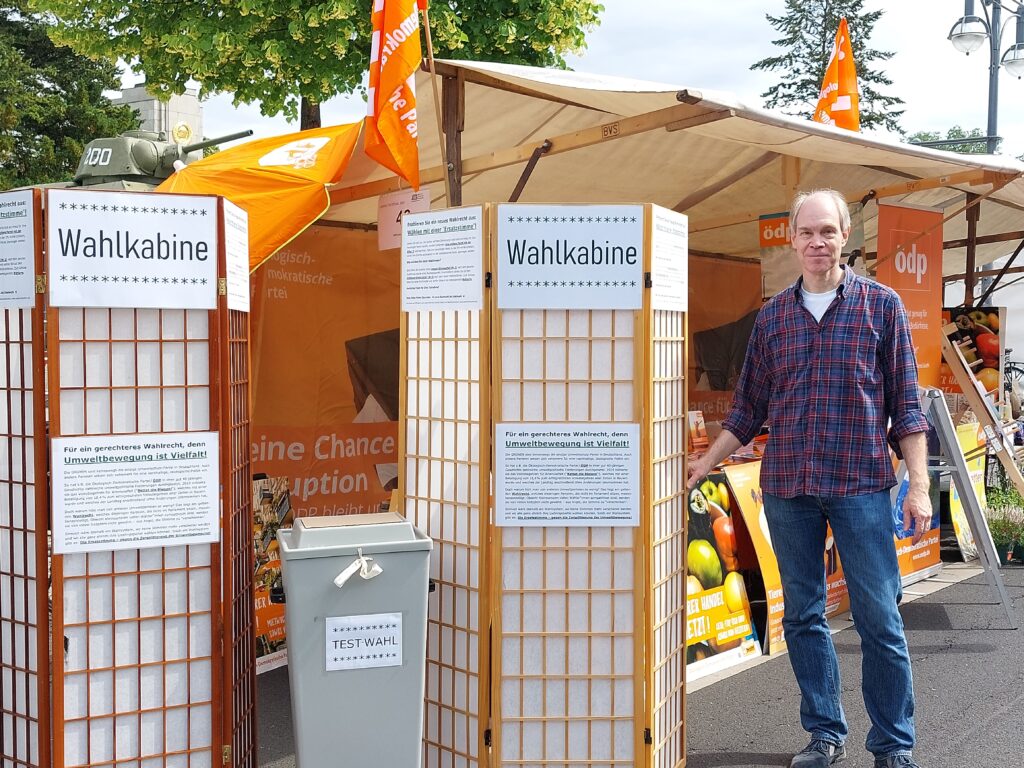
971	32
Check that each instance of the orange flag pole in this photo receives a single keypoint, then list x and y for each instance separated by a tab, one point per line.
437	102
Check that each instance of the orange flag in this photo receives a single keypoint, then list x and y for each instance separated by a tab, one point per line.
838	103
281	182
395	56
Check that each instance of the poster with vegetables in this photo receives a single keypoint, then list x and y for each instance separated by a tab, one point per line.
719	628
744	480
981	327
969	436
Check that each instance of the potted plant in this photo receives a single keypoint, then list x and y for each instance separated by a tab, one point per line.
1005	531
1018	548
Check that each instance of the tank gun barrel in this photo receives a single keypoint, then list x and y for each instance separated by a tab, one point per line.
187	148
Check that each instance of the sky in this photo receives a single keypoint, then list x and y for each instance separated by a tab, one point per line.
709	45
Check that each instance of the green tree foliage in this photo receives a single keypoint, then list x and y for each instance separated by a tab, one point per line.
277	52
956	132
808	29
52	103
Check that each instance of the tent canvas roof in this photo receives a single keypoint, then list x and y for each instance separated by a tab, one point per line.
721	162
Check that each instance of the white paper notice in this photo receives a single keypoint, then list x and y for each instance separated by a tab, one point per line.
17	250
570	256
567	474
132	249
134	491
669	260
442	260
390	210
359	642
236	255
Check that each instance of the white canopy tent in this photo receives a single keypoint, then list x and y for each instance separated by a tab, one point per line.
706	154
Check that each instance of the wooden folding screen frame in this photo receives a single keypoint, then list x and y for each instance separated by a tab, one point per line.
24	511
194	700
526	710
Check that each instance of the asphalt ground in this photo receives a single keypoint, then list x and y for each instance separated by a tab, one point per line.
968	678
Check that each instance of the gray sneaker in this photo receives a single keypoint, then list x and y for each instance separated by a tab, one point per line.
819	754
896	761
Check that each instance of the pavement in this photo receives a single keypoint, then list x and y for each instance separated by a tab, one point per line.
968	677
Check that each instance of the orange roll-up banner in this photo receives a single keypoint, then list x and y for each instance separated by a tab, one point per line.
325	371
745	483
910	261
724	299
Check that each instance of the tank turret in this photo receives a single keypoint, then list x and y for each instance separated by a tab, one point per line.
145	157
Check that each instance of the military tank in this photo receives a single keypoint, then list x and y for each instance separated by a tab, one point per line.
138	160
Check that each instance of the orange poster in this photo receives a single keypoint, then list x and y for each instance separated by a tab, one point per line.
325	371
910	261
745	483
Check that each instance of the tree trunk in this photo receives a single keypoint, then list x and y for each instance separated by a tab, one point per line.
309	114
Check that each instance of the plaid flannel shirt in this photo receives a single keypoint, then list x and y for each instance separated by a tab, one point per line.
832	392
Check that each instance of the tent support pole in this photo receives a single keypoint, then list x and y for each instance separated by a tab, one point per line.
676	118
453	121
973	214
1003	271
713	189
972	177
983	273
528	170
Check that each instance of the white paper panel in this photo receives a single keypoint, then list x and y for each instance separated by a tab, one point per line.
567	606
138	671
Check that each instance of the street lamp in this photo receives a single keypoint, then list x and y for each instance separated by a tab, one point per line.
971	31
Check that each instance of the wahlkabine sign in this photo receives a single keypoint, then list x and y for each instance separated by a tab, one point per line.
125	249
570	256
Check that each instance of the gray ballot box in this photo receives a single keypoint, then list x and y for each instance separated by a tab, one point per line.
356	619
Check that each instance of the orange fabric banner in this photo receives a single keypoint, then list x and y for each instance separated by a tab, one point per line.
722	311
391	127
838	102
325	371
910	261
281	182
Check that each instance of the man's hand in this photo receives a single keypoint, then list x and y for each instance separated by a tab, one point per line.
696	471
917	509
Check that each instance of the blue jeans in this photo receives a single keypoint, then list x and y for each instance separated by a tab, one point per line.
863	531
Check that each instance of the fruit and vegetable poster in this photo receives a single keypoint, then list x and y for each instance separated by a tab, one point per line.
981	328
910	261
271	510
968	435
325	349
719	627
745	483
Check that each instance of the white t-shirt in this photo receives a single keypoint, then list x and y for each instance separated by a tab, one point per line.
817	303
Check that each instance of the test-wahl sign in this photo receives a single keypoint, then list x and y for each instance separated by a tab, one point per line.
124	249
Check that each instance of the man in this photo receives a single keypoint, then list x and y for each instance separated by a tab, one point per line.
830	366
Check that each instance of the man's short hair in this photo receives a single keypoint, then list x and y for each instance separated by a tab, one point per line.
837	198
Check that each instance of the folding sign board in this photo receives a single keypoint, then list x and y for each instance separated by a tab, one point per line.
139	650
557	631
